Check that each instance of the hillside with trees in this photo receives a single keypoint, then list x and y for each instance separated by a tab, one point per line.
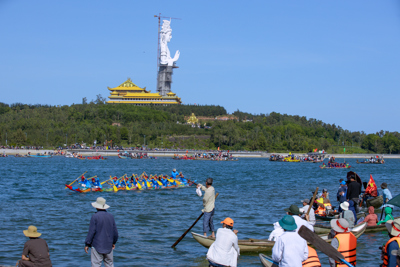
164	127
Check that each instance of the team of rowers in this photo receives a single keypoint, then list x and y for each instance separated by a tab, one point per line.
335	165
143	181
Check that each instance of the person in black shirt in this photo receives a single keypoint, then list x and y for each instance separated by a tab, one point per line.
353	192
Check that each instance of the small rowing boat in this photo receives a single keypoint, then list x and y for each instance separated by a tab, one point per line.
267	261
328	218
325	229
259	245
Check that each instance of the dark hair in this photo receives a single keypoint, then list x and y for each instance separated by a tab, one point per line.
228	227
341	180
384	185
209	181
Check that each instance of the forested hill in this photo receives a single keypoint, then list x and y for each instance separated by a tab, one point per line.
52	126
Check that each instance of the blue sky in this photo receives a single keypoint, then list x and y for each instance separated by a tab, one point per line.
336	61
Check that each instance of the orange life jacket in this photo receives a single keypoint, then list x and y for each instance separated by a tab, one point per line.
320	211
347	247
384	250
313	260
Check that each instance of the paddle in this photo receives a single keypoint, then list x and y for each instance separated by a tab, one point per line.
76	179
312	201
322	245
187	231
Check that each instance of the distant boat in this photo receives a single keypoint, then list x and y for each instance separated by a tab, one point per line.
38	155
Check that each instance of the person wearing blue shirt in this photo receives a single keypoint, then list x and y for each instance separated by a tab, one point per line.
386	195
174	174
392	245
96	183
85	183
182	178
116	182
102	235
341	194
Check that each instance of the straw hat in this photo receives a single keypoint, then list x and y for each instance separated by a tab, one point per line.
228	221
32	232
345	205
288	223
293	209
340	225
100	204
393	227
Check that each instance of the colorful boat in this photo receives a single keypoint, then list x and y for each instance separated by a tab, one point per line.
259	245
326	167
289	159
110	189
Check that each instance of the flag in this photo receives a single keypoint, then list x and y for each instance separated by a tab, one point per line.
371	189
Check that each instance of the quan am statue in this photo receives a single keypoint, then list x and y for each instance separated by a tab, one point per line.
165	38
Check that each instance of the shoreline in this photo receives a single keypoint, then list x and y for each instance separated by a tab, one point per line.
114	153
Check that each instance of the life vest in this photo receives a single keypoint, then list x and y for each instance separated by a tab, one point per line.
312	260
320	211
328	205
384	250
347	247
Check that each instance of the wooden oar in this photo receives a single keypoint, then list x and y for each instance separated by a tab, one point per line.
322	245
187	231
76	179
312	201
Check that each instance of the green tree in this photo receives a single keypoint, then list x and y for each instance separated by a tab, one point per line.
19	137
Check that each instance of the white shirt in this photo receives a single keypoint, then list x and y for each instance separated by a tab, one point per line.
208	198
311	214
299	222
290	250
225	250
277	232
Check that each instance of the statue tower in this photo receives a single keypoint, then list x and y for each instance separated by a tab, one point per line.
166	63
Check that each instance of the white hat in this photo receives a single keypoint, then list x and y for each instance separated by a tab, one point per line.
100	204
345	205
340	225
393	227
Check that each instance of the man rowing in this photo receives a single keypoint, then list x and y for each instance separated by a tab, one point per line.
84	183
96	182
174	174
208	204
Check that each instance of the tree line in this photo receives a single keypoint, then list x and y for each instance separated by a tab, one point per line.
154	126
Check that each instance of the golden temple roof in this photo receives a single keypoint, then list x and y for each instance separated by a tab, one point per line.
127	85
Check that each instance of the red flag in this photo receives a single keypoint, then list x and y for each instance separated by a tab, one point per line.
371	189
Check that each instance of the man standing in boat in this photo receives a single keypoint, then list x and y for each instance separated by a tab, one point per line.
354	191
208	204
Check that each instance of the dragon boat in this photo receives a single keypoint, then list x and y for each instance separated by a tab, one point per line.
38	155
132	188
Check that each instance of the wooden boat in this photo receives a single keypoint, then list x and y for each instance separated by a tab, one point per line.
378	161
123	157
267	261
325	229
290	160
258	245
328	218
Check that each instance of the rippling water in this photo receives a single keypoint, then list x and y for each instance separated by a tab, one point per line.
253	192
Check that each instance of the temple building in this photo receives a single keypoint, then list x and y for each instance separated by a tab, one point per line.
130	93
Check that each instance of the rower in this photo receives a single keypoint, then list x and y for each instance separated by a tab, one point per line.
294	211
116	182
311	214
174	174
84	183
182	178
96	182
344	241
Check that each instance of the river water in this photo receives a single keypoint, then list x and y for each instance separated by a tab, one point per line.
253	192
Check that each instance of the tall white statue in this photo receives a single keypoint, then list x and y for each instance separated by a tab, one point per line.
165	38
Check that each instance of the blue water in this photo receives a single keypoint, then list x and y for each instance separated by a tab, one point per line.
253	192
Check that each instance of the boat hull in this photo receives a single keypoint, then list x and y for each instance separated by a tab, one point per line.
260	245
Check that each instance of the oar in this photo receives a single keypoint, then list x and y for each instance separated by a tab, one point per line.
76	179
312	201
187	231
137	182
322	245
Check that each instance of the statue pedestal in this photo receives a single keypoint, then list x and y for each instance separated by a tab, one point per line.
164	79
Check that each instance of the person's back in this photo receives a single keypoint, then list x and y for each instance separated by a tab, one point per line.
103	235
225	249
353	190
293	250
349	217
371	219
37	251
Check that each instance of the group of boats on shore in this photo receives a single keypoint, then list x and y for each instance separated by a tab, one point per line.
222	156
134	182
